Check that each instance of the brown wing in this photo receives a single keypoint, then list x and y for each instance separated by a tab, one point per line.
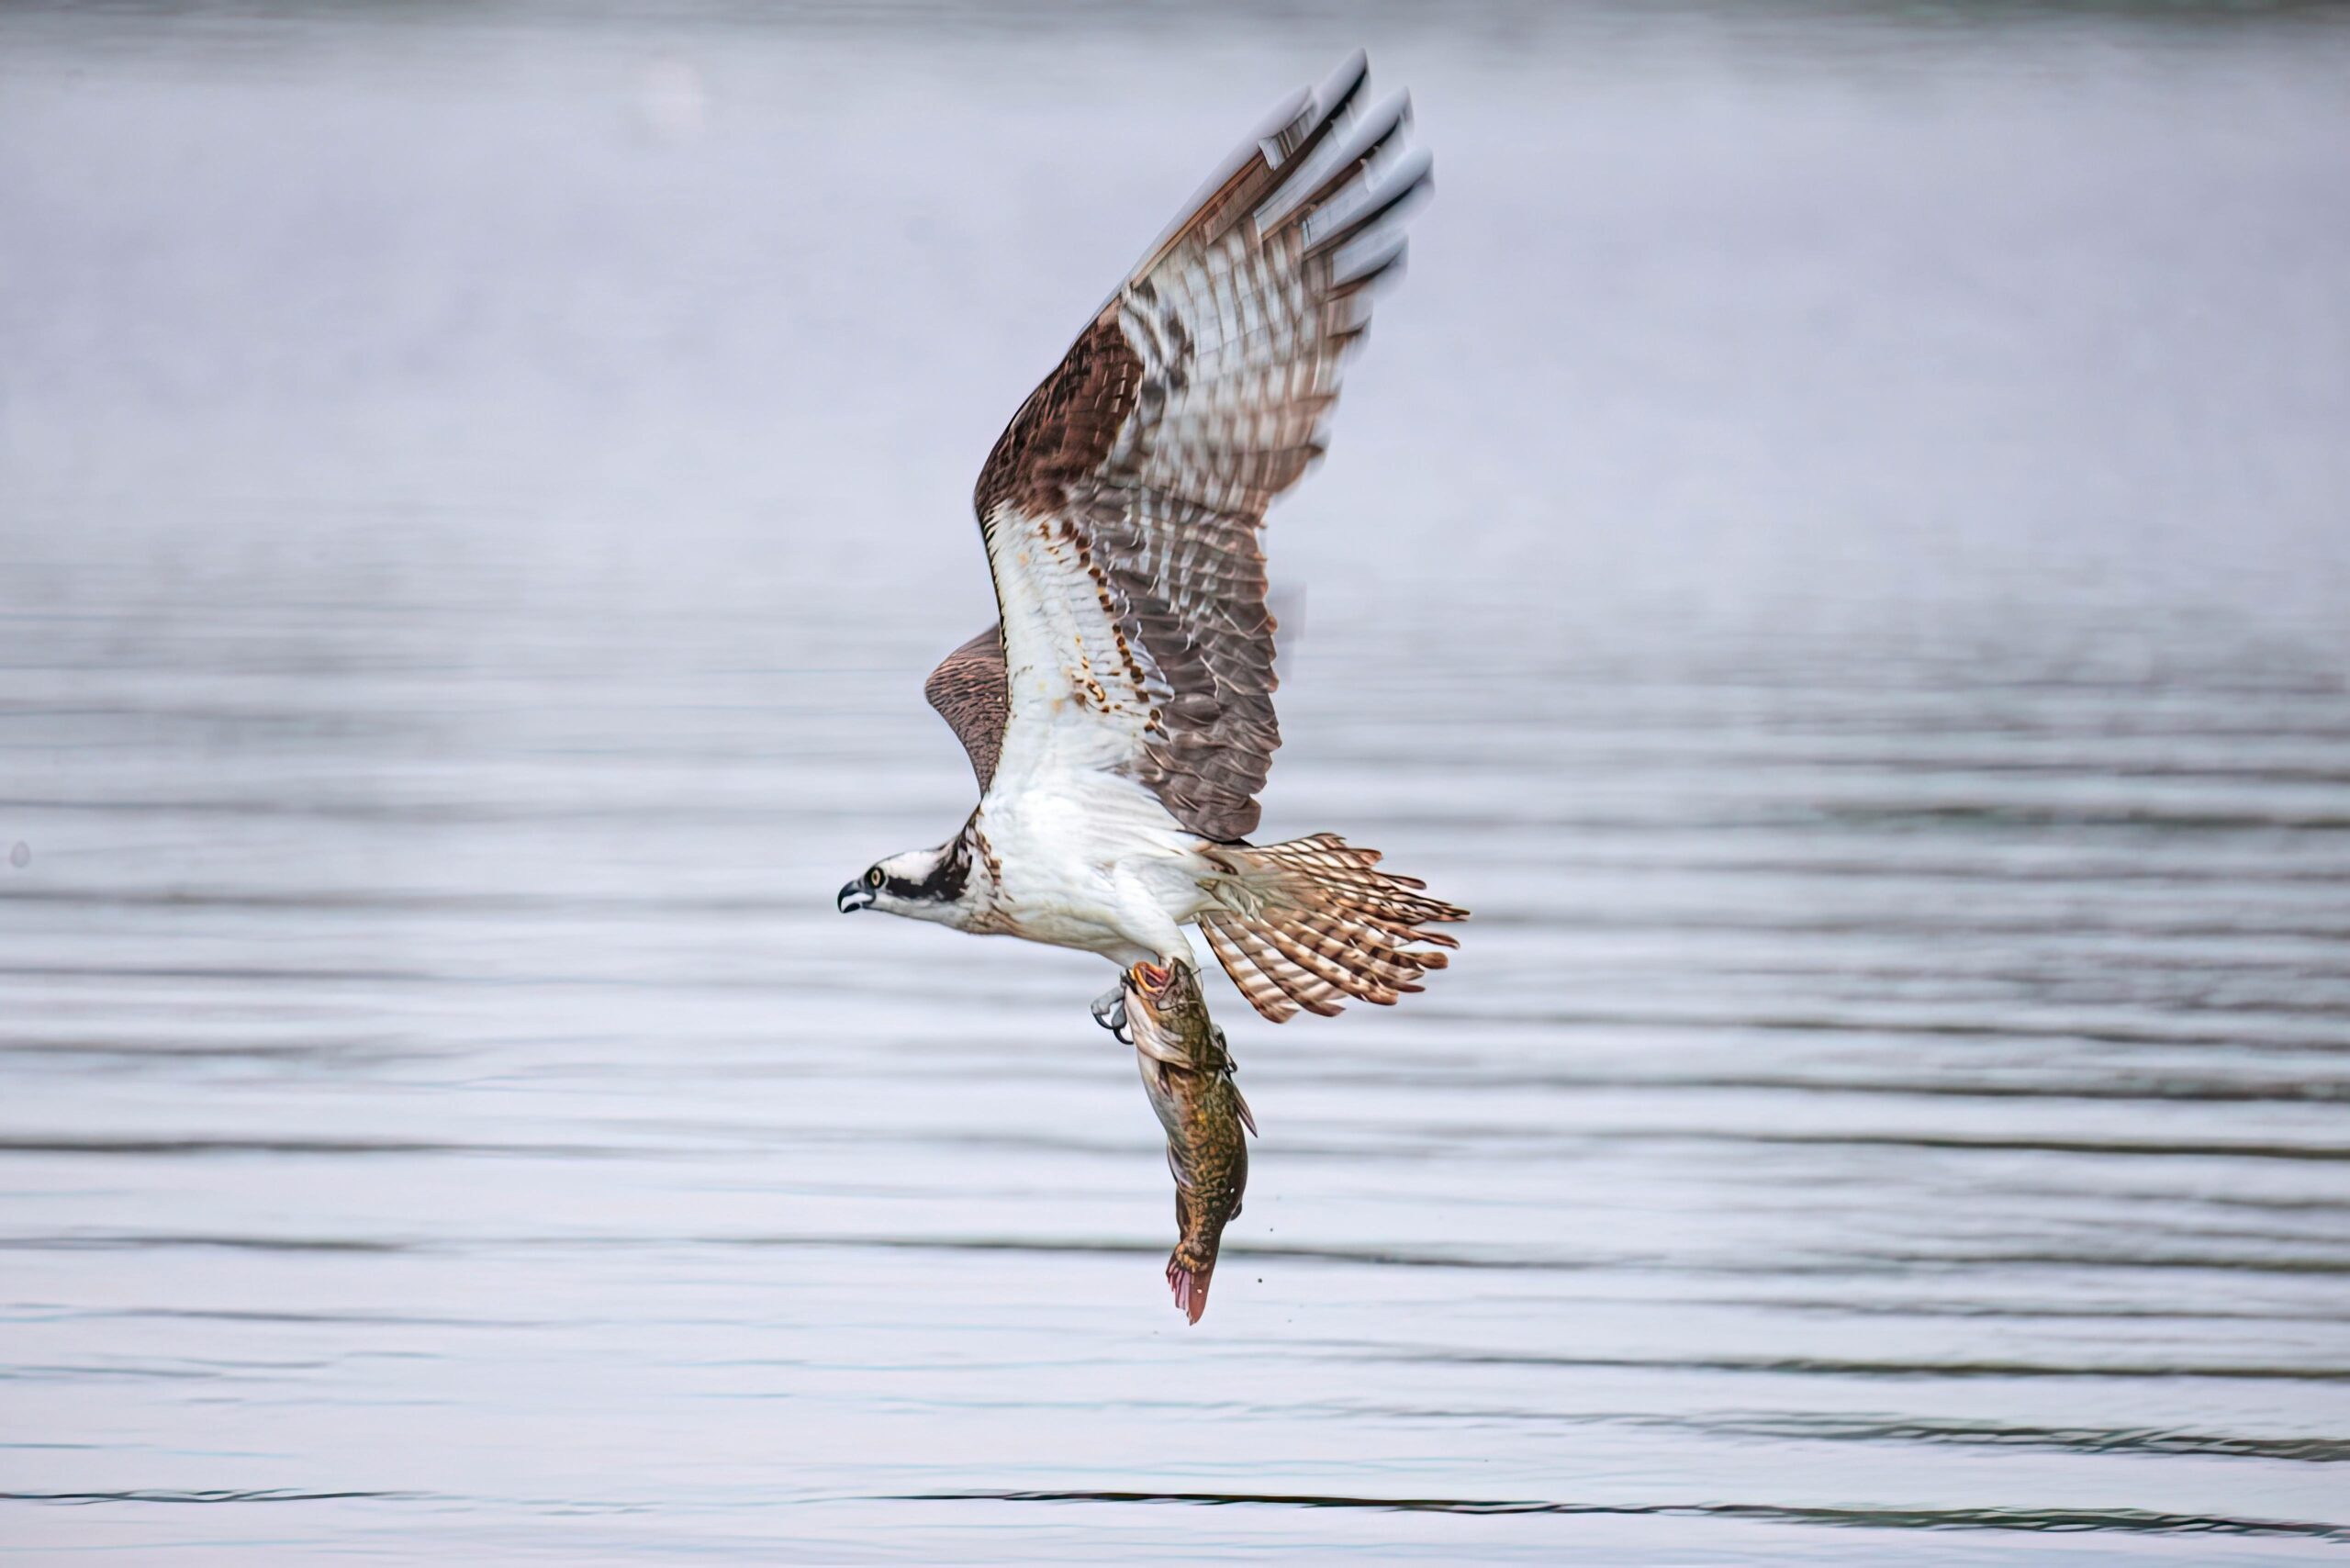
1123	505
968	690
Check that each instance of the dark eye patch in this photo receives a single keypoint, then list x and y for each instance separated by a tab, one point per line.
946	879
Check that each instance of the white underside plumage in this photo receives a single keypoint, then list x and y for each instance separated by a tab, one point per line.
1088	858
1084	855
1074	853
1091	861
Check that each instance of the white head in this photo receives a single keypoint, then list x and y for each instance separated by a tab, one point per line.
921	884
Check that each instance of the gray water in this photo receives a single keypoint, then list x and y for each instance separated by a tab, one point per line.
1837	554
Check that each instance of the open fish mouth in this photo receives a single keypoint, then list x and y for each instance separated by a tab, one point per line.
1156	997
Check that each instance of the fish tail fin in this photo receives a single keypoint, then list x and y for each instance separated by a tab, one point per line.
1190	1286
1313	923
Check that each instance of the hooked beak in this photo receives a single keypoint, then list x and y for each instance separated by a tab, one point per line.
854	896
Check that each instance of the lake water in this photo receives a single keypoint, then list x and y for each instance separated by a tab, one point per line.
1840	554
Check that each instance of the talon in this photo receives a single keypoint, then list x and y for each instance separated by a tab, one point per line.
1110	1012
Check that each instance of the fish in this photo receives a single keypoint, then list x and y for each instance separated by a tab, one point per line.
1187	1071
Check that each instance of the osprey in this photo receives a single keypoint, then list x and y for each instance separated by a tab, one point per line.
1119	715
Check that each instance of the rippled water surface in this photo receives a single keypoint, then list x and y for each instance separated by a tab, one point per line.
1837	554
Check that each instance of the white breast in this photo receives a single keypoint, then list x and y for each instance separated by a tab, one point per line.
1090	860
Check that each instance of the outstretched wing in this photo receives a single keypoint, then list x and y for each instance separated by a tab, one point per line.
1123	507
968	690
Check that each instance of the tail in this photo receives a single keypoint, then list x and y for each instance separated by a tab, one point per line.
1310	924
1190	1286
1193	1263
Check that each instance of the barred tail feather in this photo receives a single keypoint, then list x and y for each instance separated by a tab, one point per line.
1310	924
1263	977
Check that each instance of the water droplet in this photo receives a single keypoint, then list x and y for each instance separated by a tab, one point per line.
22	856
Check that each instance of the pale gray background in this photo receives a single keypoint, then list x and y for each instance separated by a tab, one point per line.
1837	553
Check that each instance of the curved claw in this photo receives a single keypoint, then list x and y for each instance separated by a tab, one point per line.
1110	1012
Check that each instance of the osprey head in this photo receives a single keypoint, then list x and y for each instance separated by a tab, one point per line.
921	884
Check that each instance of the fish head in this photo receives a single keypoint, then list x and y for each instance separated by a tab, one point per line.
1167	1011
1164	990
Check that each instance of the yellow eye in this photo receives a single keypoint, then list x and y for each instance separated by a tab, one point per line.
873	878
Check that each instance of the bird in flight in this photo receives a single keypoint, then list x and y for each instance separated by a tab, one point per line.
1119	715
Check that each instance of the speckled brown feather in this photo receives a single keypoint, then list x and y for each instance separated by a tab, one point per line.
1064	432
968	691
1194	397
